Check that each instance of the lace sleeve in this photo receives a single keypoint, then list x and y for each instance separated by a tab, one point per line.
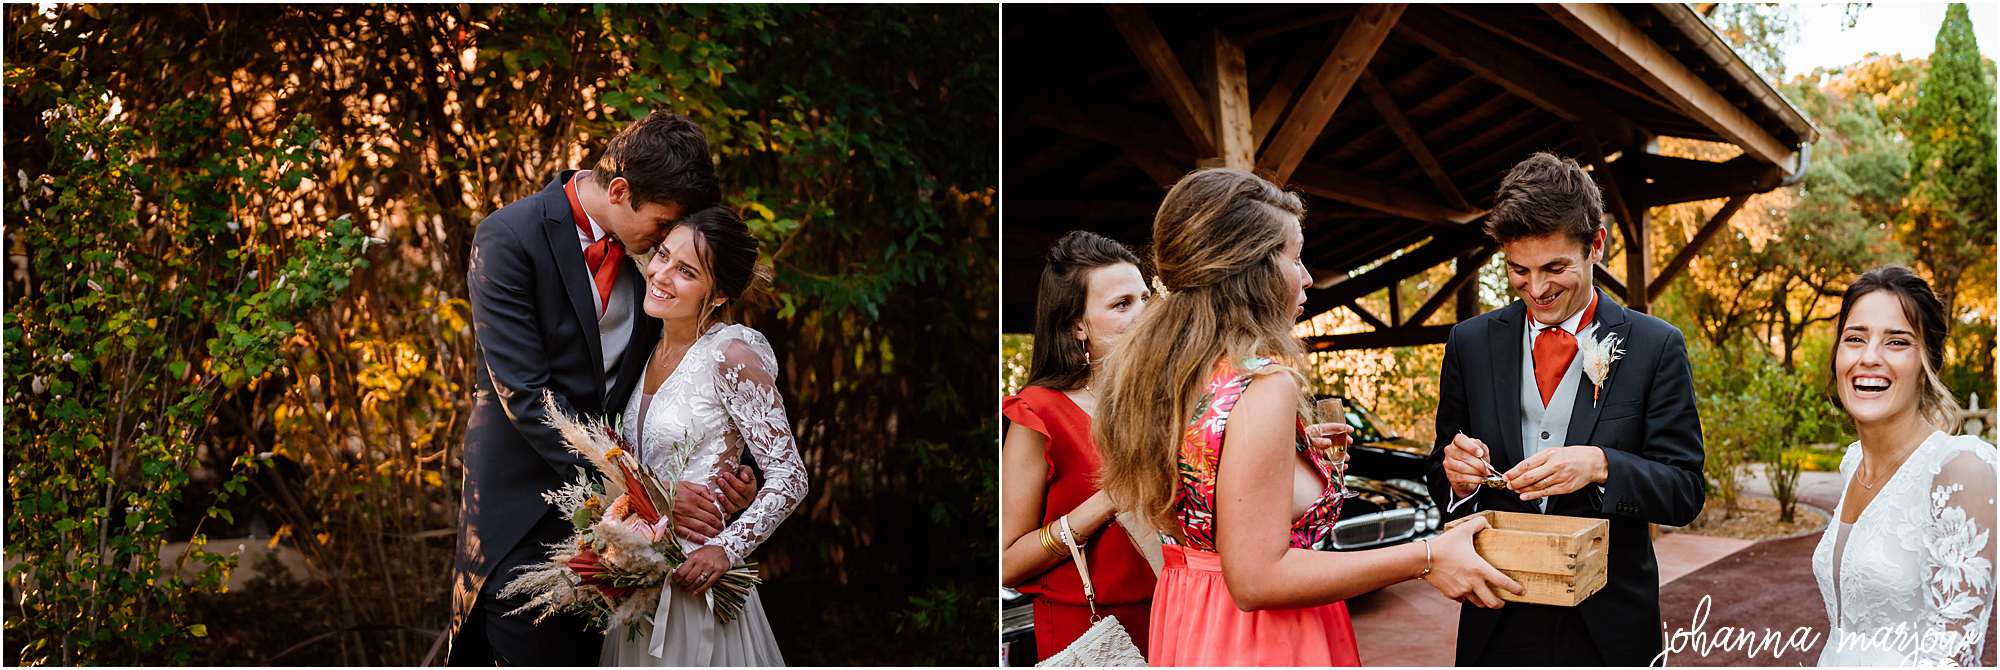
746	377
1959	544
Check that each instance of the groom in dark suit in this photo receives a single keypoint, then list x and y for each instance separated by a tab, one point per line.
555	307
1513	393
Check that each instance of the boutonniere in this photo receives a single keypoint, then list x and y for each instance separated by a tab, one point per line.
1598	354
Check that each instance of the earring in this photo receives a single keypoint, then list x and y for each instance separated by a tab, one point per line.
1086	356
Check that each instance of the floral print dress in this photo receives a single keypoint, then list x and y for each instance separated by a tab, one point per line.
1201	454
1195	620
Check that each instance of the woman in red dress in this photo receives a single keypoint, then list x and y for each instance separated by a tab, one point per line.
1090	289
1202	425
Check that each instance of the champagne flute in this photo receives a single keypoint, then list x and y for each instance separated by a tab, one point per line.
1332	410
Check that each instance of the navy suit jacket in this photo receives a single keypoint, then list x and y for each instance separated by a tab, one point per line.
1651	435
535	323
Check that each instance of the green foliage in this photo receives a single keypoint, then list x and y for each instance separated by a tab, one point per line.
1759	32
1816	458
1952	174
868	175
143	310
1756	410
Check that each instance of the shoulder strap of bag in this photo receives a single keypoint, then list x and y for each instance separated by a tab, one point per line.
1068	537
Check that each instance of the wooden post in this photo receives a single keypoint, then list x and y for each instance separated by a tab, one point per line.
1396	304
1638	263
1226	89
1637	266
1468	295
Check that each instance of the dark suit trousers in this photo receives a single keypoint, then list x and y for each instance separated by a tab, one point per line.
491	636
1538	636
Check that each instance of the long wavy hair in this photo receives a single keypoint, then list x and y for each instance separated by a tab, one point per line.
1925	313
1060	361
1218	240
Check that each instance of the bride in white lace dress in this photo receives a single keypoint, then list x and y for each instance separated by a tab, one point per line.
709	392
1906	565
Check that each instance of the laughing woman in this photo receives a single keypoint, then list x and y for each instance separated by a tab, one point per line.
1091	289
1906	565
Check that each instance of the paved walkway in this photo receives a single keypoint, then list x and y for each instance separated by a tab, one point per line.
1766	588
1819	489
1409	624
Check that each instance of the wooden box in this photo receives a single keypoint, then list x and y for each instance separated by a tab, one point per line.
1560	560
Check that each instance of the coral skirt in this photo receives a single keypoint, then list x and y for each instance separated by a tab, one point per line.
1195	622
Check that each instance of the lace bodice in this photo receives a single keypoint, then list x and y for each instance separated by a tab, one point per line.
722	398
1915	584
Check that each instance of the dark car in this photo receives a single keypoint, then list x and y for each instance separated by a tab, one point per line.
1017	628
1393	507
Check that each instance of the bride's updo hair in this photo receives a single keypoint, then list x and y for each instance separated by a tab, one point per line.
1218	242
728	254
1925	313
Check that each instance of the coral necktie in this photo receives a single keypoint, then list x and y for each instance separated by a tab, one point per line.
1554	349
602	256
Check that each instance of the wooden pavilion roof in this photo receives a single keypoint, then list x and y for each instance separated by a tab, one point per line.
1395	122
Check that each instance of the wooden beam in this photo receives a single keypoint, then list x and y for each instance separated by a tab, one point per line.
1285	19
1451	128
1604	27
1376	321
1488	168
1593	154
1278	98
1149	143
1412	142
1226	90
1512	126
1081	209
1502	65
1563	51
1157	166
1665	180
1468	269
1401	337
1315	106
1694	246
1610	283
1429	100
1368	245
1112	124
1383	197
1164	69
1441	248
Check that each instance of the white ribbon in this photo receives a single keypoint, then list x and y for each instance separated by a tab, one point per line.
658	645
705	636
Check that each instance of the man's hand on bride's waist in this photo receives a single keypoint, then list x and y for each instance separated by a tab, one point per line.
699	514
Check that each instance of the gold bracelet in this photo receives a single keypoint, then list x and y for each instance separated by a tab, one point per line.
1427	560
1049	543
